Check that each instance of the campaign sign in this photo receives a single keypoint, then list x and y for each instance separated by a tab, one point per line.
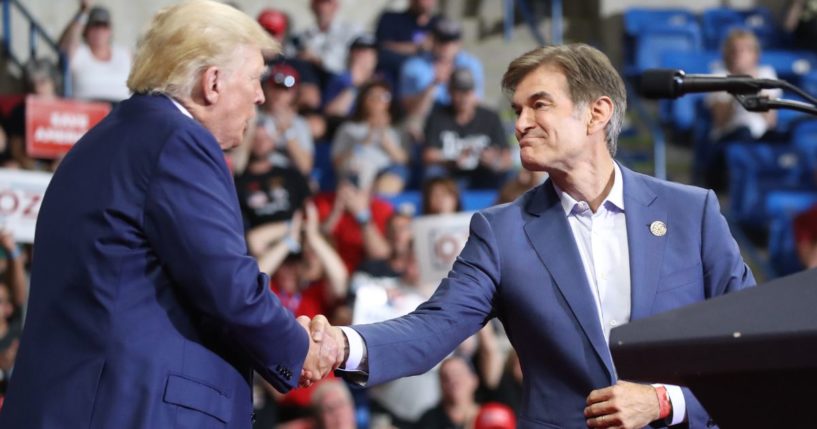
438	240
53	125
21	194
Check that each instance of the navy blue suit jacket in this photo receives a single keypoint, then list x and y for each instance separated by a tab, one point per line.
145	309
521	264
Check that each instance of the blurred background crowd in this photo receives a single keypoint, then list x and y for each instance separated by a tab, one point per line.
368	126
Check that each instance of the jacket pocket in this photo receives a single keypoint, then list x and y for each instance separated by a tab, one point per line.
198	396
680	278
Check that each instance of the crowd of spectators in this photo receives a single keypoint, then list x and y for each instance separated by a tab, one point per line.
350	116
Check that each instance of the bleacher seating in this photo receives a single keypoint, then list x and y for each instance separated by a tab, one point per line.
411	201
781	208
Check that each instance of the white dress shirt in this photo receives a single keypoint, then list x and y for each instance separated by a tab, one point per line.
602	241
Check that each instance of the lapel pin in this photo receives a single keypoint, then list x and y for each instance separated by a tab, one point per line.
658	228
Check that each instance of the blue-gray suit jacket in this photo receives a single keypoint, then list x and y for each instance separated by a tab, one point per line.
521	264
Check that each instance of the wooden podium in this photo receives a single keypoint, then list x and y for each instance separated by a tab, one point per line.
750	357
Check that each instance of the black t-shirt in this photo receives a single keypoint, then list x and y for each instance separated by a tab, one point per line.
402	27
273	196
436	418
443	132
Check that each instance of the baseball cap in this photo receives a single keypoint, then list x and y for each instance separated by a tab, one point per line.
283	75
446	30
364	41
462	80
99	15
494	415
274	21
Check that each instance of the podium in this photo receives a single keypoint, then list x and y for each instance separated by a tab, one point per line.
750	357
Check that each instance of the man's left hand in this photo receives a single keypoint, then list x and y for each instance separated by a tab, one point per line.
623	405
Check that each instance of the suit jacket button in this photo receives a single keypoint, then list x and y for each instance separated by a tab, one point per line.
252	418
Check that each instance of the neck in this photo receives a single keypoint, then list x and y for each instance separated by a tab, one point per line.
464	116
588	181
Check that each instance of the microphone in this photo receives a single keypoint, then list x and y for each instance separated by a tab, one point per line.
669	83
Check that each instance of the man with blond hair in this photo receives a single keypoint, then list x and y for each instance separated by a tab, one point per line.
146	310
594	247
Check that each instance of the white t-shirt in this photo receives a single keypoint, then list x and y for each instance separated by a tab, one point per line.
100	80
741	117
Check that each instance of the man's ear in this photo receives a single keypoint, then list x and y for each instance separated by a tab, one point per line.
211	84
601	111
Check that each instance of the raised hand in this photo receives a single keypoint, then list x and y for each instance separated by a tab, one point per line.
327	349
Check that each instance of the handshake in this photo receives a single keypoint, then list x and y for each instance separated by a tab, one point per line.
328	349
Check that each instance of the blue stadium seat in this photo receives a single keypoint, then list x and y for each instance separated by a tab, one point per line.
323	172
638	20
804	138
681	113
755	169
655	41
782	207
790	66
406	202
478	199
717	23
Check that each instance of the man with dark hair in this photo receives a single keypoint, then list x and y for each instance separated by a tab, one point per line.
595	246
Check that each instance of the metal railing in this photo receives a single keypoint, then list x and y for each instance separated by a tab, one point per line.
36	34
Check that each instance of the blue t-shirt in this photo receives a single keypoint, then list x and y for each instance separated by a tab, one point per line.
418	73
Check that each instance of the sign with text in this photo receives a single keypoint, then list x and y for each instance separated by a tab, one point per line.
53	125
21	194
438	241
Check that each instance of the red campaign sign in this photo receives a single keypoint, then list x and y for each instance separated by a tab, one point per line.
53	125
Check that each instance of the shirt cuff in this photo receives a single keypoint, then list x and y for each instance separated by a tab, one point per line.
357	349
676	397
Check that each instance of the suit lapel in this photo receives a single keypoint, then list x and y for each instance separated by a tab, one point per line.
642	208
551	237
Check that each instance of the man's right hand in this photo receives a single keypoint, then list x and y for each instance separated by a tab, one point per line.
327	349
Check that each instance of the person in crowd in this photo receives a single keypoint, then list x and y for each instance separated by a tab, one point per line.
99	67
367	146
509	390
458	408
281	122
441	195
326	44
333	407
342	90
145	307
356	222
730	120
13	296
522	182
465	140
40	79
527	262
404	33
424	77
268	193
278	25
805	237
800	21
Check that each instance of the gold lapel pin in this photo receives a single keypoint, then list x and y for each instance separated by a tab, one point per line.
658	228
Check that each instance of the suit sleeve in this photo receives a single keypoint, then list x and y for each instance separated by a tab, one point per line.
193	224
724	269
460	307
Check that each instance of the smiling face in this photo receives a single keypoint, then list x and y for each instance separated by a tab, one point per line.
239	94
552	131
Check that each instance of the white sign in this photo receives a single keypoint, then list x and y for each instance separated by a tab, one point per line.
21	194
438	240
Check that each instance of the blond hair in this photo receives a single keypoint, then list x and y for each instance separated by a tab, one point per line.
183	40
589	75
728	49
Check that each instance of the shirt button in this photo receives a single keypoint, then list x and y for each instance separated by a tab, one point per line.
613	323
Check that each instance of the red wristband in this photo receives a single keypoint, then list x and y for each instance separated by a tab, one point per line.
664	404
